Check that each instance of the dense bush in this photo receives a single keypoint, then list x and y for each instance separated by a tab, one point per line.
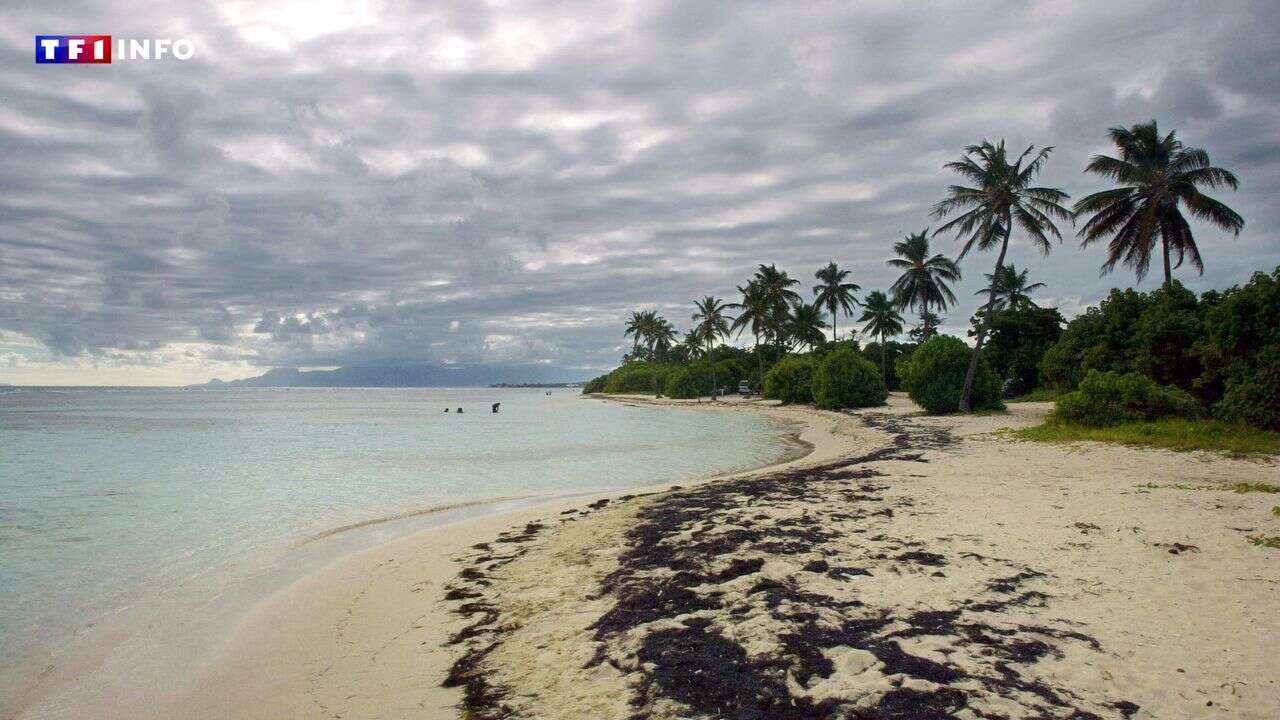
935	377
1108	398
902	369
687	382
595	385
893	351
638	377
791	380
1254	397
1240	352
1151	333
845	379
1017	342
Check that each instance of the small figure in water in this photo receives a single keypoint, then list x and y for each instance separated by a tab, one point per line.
446	409
495	407
459	411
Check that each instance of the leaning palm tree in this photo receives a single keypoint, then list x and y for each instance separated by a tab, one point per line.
1156	174
690	347
754	312
1003	197
923	283
1012	289
807	326
882	321
833	293
713	324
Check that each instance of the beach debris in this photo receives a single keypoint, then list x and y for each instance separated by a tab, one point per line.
1176	548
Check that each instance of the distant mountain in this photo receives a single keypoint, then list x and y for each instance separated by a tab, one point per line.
406	376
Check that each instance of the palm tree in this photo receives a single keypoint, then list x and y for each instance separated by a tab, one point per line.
781	298
833	293
807	325
928	326
882	321
661	338
923	283
690	347
754	312
636	329
713	324
1156	175
1012	290
1003	197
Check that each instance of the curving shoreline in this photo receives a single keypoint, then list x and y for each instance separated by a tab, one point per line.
260	668
1050	561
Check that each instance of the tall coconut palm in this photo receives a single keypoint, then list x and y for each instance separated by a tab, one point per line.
923	283
1012	289
1156	175
807	326
781	298
882	321
637	328
661	338
712	325
836	295
1003	197
754	312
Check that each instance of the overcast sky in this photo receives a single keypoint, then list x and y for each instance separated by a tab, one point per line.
331	183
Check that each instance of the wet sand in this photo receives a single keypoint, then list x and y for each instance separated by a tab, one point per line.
906	567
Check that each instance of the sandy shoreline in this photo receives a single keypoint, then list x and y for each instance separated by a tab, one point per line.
266	667
904	561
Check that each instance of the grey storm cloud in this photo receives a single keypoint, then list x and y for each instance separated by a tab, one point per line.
332	183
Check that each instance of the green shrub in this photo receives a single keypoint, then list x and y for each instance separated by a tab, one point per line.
1254	396
902	368
791	380
686	383
638	377
595	385
935	377
845	379
1017	342
1107	398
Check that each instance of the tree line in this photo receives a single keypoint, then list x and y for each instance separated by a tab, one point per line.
1156	183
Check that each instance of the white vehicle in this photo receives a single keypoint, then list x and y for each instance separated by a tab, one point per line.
744	388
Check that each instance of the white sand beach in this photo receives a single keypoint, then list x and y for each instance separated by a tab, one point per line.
906	561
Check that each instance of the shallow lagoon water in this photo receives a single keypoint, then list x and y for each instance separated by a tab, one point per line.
112	497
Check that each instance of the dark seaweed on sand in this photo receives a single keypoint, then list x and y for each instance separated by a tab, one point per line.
675	568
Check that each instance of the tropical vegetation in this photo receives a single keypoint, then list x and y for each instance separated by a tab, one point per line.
1137	359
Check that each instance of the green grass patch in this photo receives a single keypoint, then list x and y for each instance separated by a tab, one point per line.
1037	395
1248	487
1171	433
1264	541
1276	511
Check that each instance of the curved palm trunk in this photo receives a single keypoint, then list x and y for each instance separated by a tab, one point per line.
926	331
714	386
835	333
760	360
966	402
884	374
1168	274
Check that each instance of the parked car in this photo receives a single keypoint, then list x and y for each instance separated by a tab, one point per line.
744	388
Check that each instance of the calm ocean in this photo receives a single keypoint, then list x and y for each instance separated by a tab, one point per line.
113	497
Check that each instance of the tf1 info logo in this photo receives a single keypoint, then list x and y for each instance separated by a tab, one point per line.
97	49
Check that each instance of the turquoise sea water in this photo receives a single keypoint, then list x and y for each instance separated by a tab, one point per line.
111	496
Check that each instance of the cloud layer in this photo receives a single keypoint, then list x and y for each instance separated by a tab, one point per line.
332	183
